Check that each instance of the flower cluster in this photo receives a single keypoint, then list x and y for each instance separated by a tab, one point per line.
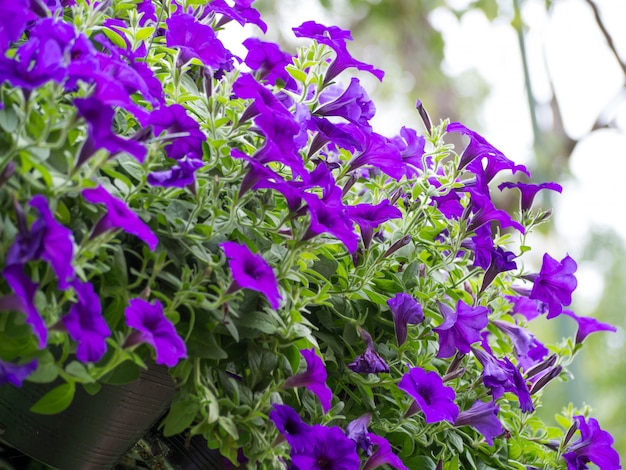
324	296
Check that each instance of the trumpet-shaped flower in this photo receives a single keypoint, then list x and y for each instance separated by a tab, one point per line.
434	399
153	327
405	310
327	448
313	378
529	191
15	374
291	426
383	455
484	417
251	271
595	445
370	361
555	283
460	328
588	325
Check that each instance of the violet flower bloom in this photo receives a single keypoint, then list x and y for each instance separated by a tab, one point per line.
153	327
370	361
587	325
313	378
405	310
251	271
328	447
369	217
16	14
119	216
47	239
241	12
484	417
197	41
529	191
528	308
330	218
485	212
99	119
269	61
501	261
595	445
528	348
180	175
85	323
411	147
291	426
357	431
460	328
382	154
503	376
434	399
479	149
383	456
175	120
555	283
23	300
15	374
335	38
353	104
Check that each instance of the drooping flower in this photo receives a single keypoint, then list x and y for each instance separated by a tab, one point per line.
290	425
381	153
328	448
434	399
528	348
528	308
595	445
119	216
484	212
370	361
335	38
529	191
47	239
384	455
154	328
357	431
330	218
85	323
555	283
411	147
368	217
186	137
23	300
405	310
313	378
460	328
180	175
353	105
251	271
502	376
15	374
269	61
587	325
501	261
484	417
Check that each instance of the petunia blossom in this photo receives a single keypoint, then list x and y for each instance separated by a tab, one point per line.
15	374
384	455
370	361
357	431
460	328
588	325
484	417
405	310
595	445
85	323
313	378
153	327
368	217
528	348
328	447
290	425
434	399
554	283
529	191
353	104
251	271
119	216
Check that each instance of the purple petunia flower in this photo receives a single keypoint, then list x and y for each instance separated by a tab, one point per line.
434	399
501	261
369	362
383	456
528	348
16	14
411	147
335	38
328	447
484	212
587	325
291	426
23	300
405	310
353	104
180	175
153	327
369	217
554	284
528	308
269	61
330	218
187	136
119	216
381	153
241	12
15	374
595	445
99	118
197	41
503	376
251	271
484	417
47	239
529	191
357	431
85	323
313	378
460	328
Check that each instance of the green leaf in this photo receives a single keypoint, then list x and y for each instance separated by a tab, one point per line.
114	37
297	75
144	33
56	400
180	417
125	373
78	370
8	119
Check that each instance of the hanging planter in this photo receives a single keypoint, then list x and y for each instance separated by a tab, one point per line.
95	430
